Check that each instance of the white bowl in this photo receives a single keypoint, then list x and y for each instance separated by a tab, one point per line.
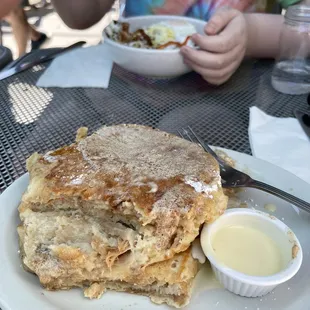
151	62
240	283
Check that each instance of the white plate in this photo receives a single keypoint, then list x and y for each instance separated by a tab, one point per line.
20	290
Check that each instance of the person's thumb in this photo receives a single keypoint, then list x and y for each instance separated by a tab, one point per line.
220	20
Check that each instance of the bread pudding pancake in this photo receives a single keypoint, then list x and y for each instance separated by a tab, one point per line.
62	248
158	185
167	282
119	210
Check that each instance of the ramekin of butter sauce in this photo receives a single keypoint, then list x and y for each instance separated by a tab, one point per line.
251	252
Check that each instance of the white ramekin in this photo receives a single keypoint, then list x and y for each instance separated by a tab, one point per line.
242	284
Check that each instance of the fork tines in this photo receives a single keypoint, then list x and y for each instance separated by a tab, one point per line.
193	137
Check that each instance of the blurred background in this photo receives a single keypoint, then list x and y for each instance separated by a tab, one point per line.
41	14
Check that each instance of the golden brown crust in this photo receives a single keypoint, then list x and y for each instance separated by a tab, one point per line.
173	295
122	163
163	186
119	210
81	134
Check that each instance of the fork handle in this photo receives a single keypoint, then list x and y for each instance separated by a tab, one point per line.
281	194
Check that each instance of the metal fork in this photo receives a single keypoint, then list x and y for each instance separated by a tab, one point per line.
233	178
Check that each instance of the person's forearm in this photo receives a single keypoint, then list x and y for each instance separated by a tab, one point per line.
263	35
6	6
82	14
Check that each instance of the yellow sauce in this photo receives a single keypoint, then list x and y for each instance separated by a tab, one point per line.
247	250
270	207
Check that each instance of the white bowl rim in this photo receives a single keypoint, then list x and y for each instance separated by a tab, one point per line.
275	279
157	17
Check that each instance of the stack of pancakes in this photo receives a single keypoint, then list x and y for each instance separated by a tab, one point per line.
119	210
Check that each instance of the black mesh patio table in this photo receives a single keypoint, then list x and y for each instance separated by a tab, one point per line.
40	119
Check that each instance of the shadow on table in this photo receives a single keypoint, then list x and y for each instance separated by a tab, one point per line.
169	105
38	119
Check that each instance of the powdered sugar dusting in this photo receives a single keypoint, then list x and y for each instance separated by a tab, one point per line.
143	151
154	187
201	187
49	264
81	147
49	158
77	181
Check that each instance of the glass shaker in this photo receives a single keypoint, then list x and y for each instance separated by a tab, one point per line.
291	73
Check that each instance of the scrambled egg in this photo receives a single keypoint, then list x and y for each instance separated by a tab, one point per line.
160	34
164	32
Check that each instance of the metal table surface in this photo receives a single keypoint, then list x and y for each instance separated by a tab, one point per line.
38	119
